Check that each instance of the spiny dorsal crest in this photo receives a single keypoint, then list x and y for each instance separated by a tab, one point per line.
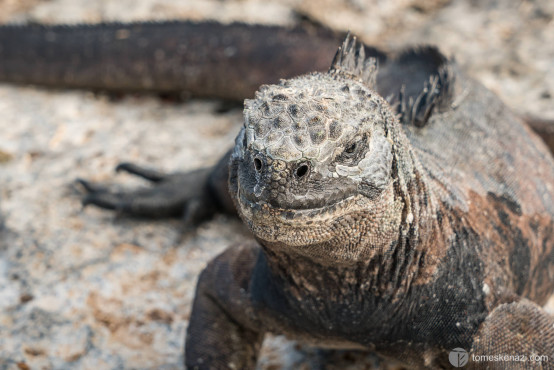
436	93
350	61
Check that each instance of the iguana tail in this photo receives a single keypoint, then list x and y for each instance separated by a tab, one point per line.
205	59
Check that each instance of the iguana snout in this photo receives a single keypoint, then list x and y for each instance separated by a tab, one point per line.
290	185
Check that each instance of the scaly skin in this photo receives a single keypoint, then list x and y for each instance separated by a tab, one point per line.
409	226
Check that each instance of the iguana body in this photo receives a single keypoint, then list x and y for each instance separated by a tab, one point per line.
409	229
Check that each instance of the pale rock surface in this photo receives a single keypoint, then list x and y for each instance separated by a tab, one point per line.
85	289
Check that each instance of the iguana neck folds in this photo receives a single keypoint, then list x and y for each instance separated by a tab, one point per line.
322	169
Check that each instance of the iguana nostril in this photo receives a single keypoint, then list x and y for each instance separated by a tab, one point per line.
302	170
257	164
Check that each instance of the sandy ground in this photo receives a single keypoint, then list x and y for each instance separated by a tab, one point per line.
84	289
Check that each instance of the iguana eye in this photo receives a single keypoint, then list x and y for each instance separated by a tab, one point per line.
351	149
351	154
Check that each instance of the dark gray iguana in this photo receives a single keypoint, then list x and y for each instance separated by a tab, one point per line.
409	227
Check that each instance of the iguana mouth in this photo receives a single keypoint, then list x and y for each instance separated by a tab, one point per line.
299	202
294	227
303	229
261	210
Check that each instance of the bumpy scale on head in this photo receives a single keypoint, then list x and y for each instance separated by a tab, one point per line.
314	162
316	117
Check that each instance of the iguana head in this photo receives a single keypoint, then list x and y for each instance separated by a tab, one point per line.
312	169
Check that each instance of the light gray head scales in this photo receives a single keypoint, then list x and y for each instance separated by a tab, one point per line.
306	116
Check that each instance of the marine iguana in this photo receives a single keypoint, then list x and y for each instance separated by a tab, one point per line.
409	226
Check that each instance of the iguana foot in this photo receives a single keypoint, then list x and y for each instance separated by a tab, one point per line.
173	195
521	332
146	173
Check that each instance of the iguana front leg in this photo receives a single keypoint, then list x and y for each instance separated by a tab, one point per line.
194	195
519	328
223	331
